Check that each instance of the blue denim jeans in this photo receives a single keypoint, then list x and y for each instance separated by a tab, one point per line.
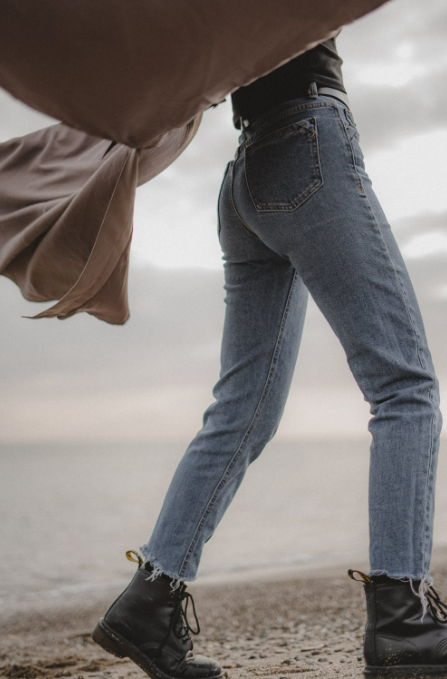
297	214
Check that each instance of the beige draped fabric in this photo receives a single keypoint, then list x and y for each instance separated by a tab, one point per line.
139	72
66	210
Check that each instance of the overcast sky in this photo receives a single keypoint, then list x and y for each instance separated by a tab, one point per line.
84	380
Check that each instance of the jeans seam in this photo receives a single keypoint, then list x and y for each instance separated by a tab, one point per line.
402	291
239	218
351	153
248	432
429	470
430	395
218	199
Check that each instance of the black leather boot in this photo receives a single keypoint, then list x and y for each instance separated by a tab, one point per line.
397	643
148	624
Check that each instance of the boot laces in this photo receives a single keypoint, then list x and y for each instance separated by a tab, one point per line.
436	605
181	615
179	619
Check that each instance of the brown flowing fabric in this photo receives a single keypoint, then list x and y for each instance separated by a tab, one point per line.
139	72
66	210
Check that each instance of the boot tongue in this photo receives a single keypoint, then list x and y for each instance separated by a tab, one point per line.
181	630
180	627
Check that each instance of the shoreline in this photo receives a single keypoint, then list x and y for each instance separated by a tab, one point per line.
48	599
305	621
232	575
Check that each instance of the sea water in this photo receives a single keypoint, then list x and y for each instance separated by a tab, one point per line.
69	513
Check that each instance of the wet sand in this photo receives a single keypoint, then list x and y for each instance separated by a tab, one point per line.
281	626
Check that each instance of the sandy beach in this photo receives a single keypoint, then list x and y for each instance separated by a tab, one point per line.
298	623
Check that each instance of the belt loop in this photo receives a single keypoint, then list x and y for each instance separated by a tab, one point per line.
242	136
313	90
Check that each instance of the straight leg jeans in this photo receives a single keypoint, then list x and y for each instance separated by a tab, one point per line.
296	215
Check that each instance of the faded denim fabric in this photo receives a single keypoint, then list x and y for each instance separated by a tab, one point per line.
297	213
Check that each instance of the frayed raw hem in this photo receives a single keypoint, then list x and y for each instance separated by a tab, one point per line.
424	582
160	570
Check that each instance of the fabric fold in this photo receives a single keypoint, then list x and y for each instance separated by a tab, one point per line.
131	70
139	74
66	216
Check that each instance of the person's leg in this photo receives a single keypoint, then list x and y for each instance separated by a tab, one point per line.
300	185
265	310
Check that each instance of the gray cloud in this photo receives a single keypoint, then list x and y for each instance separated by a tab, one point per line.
17	119
173	335
377	35
409	227
384	116
387	113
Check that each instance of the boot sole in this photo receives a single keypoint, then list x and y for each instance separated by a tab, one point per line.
114	643
403	671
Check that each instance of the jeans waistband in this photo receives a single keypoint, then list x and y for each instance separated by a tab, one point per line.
338	94
313	92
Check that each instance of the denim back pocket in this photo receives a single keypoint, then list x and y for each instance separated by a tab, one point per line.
283	167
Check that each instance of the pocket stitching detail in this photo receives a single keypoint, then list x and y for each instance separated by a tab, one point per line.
318	177
285	114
